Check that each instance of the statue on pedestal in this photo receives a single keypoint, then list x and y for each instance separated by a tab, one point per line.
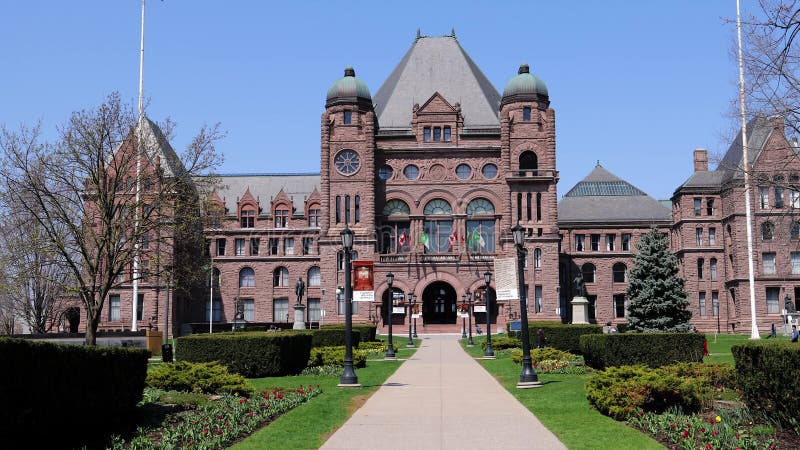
299	290
580	287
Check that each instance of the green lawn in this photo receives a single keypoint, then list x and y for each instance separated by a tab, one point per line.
562	407
309	425
720	351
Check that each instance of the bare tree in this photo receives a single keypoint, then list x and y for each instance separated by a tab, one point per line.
81	191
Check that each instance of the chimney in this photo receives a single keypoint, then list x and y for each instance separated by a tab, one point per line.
777	122
701	160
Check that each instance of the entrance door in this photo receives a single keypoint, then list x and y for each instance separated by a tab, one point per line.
439	303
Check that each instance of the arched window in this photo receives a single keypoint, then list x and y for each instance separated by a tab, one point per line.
280	277
767	231
480	206
247	277
437	207
700	264
314	277
620	272
588	270
438	235
528	161
396	207
479	235
537	258
215	278
712	268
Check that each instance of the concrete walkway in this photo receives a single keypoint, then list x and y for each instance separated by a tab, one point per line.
441	398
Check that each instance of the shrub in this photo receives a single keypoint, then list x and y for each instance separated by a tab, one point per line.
500	343
561	336
327	356
541	354
366	331
210	378
720	376
42	380
767	374
651	349
333	336
252	354
618	390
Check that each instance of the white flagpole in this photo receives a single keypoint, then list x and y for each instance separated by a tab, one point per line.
746	162
135	302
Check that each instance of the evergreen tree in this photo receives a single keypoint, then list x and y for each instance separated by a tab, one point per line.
657	298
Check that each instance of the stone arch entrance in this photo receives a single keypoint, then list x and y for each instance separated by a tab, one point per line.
439	303
72	317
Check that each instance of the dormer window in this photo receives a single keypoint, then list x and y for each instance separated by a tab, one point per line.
526	114
348	117
447	134
248	218
437	134
281	218
426	134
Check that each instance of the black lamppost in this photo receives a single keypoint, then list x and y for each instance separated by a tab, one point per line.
463	319
389	311
528	376
469	316
415	319
349	378
409	300
489	353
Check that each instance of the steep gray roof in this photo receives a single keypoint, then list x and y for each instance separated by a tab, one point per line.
265	187
604	197
704	180
437	64
157	148
758	131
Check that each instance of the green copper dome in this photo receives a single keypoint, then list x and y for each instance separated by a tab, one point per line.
525	87
347	89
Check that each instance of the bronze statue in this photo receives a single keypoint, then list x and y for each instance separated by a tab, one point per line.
788	304
580	288
299	290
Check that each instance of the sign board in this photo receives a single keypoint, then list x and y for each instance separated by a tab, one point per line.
363	284
479	308
505	273
463	315
398	310
515	326
416	316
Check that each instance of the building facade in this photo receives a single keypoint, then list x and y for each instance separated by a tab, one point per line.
433	171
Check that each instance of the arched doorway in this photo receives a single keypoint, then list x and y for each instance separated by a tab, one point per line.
439	303
73	317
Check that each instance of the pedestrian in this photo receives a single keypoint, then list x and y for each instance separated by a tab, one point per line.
794	333
774	332
540	339
705	346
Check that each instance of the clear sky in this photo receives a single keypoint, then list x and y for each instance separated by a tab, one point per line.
636	85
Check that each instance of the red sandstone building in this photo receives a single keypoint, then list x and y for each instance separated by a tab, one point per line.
431	174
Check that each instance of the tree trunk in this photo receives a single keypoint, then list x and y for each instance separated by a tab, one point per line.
91	327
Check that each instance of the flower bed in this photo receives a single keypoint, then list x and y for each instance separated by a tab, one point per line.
218	423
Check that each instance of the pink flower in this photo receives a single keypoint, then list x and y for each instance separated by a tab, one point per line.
708	446
702	429
219	416
672	426
715	432
205	431
219	432
685	434
280	395
242	400
250	414
266	396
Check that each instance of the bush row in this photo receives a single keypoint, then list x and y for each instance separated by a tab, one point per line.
767	374
330	336
651	349
252	354
209	378
50	390
564	337
366	331
334	356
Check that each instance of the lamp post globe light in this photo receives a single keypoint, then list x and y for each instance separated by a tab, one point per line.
463	319
469	316
348	378
489	353
528	377
415	319
389	313
410	299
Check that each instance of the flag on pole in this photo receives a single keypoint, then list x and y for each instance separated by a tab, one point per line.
423	238
401	242
453	238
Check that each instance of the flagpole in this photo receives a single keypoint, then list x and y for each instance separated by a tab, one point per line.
746	161
135	302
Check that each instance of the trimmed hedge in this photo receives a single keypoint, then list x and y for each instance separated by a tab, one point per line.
49	391
331	337
366	331
651	349
560	336
252	354
767	374
334	356
209	377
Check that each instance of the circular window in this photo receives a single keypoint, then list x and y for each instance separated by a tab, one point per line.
347	162
411	172
463	171
385	172
489	171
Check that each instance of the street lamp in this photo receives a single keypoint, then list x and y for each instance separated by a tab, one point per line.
463	319
489	353
349	378
409	300
389	311
528	377
415	319
469	316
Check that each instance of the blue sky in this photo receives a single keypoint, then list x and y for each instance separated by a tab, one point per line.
636	85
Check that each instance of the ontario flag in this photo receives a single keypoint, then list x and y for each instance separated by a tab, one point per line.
453	239
402	240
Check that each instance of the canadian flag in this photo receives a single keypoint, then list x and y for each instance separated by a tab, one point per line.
401	242
453	238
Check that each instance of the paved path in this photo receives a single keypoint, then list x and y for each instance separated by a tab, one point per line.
442	399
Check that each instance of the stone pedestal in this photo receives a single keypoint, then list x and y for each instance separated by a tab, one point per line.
580	310
299	317
154	340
